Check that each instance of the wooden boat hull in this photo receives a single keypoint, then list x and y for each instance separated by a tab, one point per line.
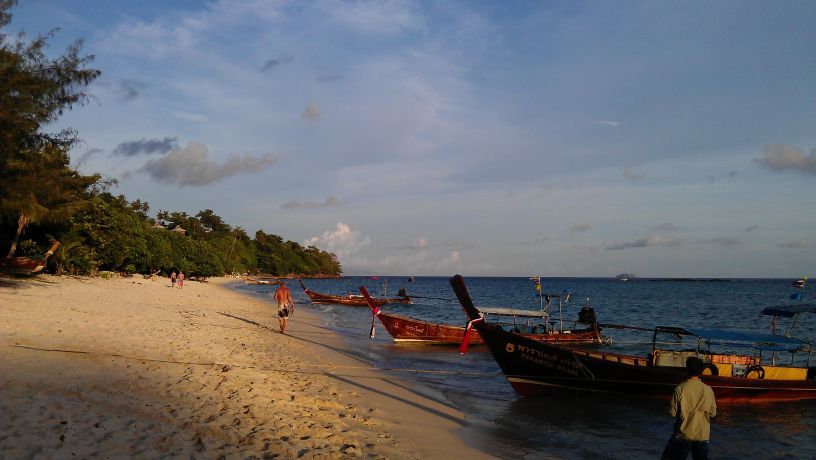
535	368
406	329
26	265
350	300
21	265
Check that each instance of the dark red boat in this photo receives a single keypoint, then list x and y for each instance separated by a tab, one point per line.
350	299
525	322
534	367
27	265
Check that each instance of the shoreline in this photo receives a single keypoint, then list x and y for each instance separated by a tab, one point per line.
132	367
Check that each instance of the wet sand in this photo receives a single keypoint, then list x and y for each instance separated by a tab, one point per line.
132	367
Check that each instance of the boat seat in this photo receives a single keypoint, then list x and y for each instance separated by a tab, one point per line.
675	358
785	373
724	369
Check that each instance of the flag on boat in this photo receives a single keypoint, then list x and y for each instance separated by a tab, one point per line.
537	281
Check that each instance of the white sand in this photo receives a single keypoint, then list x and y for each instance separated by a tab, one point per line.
134	368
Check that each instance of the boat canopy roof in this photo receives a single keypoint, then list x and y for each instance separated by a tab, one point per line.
788	311
512	312
758	340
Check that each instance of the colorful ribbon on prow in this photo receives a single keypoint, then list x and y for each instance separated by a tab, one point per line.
466	340
375	310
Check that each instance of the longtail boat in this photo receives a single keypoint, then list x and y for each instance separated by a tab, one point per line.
25	265
528	323
534	367
800	283
350	299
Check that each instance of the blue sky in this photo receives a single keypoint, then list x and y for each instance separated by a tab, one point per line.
482	138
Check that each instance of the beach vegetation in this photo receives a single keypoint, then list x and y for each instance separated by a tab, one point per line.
37	183
43	198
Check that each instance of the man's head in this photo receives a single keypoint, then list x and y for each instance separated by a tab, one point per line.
283	284
694	366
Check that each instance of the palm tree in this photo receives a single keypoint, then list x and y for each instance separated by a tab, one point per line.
41	187
63	255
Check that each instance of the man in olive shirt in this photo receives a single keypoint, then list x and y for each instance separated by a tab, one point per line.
692	407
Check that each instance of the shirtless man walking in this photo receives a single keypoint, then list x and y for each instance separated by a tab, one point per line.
286	305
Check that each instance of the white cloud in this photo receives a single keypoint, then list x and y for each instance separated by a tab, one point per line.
423	261
374	16
454	258
609	123
787	157
184	33
342	241
191	165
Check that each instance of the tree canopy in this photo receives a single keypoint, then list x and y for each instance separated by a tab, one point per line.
43	198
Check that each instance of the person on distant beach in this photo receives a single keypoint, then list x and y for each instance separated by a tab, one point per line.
692	407
173	279
181	279
286	305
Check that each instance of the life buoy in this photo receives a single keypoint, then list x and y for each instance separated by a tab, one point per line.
760	371
712	369
539	329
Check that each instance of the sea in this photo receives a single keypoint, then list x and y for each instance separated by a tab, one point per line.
566	425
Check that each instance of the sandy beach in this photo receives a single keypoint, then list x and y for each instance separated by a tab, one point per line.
130	367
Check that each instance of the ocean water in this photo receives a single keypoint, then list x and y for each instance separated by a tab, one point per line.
570	426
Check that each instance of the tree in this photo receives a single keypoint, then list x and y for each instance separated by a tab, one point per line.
41	188
35	90
36	182
115	230
212	223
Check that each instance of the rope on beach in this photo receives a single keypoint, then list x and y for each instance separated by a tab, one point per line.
273	369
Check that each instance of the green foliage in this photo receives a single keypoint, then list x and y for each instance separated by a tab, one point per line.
42	197
290	258
112	234
36	183
36	90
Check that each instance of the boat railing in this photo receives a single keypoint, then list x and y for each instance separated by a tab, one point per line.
726	365
730	365
613	357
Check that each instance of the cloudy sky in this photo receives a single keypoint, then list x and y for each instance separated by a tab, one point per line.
482	138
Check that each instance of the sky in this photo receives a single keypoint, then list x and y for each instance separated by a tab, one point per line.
673	139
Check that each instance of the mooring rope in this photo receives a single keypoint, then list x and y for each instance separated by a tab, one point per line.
248	366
